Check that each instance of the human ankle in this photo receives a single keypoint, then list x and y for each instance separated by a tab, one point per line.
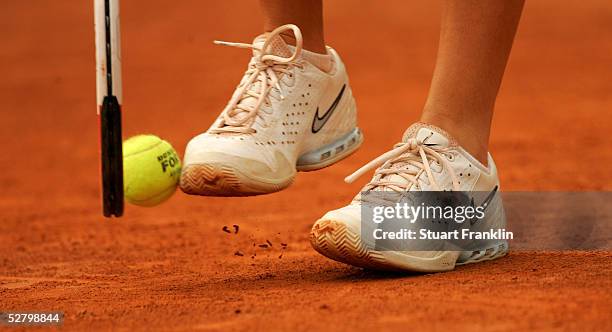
473	140
314	44
317	55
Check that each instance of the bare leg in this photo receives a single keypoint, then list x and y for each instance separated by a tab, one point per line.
475	41
306	14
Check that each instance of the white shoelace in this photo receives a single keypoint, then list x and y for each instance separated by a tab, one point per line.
264	74
398	162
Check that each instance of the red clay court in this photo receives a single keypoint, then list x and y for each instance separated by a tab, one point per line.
173	268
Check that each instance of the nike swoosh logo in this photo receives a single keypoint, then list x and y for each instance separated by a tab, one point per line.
319	121
484	204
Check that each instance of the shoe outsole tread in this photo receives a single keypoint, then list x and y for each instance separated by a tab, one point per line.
216	180
335	241
338	242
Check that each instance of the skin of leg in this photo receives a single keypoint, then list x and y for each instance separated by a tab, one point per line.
306	14
475	40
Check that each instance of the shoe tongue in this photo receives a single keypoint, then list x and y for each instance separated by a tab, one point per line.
276	46
428	134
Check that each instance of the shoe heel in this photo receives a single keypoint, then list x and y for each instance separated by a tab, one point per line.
330	153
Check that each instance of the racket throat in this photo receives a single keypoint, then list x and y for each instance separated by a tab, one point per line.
112	157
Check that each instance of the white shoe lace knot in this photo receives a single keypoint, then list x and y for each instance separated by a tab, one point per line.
408	160
264	74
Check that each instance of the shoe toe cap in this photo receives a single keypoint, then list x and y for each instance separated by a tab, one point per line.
349	215
238	154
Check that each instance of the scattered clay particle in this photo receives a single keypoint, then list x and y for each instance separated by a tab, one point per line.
226	229
237	311
280	256
236	229
284	245
238	253
324	306
269	243
263	245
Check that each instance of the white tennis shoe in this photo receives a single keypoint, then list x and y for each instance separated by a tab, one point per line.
286	115
427	159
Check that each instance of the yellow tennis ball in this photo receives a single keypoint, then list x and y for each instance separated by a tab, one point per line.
151	170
